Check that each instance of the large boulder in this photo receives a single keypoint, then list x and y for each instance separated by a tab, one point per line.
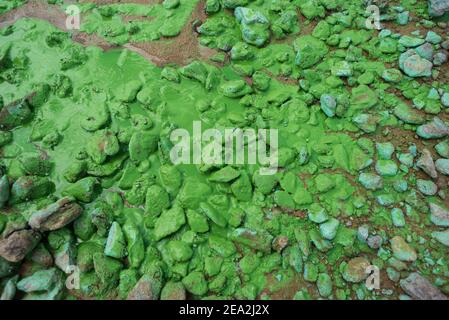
437	8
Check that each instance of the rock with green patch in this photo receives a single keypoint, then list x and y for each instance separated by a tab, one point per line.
442	237
386	168
41	280
169	222
115	244
195	283
371	181
355	270
309	51
157	200
402	250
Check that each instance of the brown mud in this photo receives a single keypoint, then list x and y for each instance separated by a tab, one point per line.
180	50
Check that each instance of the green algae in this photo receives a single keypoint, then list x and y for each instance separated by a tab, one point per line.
105	121
157	21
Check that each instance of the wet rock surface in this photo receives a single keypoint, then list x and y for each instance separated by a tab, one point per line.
89	180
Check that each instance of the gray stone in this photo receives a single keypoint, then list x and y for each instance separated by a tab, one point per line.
419	288
439	215
437	8
18	244
425	162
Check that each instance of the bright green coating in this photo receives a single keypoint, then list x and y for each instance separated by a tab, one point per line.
345	109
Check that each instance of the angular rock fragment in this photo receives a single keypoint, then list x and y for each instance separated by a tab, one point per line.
419	288
147	288
439	215
426	163
437	8
18	244
56	215
433	130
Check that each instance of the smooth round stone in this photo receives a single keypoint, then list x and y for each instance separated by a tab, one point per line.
363	233
402	250
386	168
375	242
442	166
427	187
385	150
324	284
425	51
385	199
329	229
392	75
445	100
414	66
433	37
328	105
442	237
317	214
440	58
439	215
397	216
411	42
433	94
443	149
355	270
400	185
371	181
403	18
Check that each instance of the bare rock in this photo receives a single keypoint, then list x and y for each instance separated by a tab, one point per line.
419	288
18	244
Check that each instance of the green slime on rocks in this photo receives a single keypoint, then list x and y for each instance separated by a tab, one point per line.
87	181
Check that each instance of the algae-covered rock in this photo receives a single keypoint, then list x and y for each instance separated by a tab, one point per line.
15	114
147	288
371	181
173	291
4	190
226	174
142	145
235	89
179	250
356	270
40	281
442	237
35	164
195	283
439	215
169	222
30	188
115	244
414	66
83	190
107	269
433	130
9	290
257	239
157	200
402	250
136	246
103	143
310	51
